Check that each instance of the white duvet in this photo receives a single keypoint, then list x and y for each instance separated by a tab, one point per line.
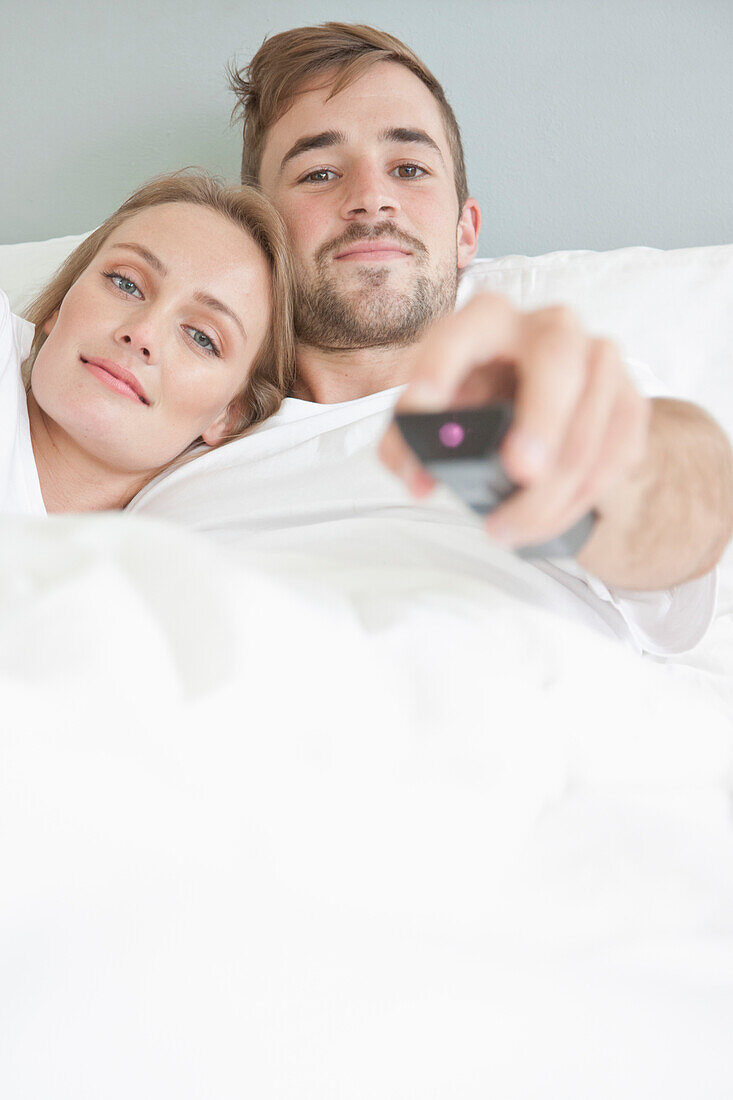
402	837
397	838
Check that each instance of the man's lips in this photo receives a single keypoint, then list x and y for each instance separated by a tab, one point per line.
373	250
116	377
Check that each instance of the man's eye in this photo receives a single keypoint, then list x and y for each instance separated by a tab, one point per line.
202	340
410	171
321	175
123	283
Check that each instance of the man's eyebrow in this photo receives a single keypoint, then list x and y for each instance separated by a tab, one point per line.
409	136
146	254
214	303
313	141
404	135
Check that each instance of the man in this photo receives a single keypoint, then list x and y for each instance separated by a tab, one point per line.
353	139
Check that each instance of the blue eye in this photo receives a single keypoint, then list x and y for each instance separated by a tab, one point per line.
202	340
123	283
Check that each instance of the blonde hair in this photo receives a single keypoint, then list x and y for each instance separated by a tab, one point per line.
273	369
265	88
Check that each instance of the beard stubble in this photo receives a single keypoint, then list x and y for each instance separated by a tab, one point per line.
373	313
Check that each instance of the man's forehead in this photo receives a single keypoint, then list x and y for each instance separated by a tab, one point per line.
386	98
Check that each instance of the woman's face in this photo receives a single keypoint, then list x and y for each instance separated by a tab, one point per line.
156	337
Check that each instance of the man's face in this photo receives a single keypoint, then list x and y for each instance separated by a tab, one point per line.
365	184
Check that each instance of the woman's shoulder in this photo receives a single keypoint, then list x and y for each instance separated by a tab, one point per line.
7	334
16	334
5	313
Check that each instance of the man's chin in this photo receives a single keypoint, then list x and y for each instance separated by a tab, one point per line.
364	279
361	324
379	306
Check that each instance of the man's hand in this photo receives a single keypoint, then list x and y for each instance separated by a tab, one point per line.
580	427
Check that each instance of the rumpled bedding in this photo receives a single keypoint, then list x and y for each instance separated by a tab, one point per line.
401	836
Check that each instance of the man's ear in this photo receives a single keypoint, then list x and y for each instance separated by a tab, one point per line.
469	227
50	322
222	427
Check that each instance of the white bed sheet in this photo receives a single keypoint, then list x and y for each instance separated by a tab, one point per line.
261	838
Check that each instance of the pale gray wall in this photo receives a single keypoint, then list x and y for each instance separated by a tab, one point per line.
587	123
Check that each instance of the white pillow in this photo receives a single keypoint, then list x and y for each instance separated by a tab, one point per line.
26	268
673	310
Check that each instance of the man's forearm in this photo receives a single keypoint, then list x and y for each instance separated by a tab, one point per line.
672	518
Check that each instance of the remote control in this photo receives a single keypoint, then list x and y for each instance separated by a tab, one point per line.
460	448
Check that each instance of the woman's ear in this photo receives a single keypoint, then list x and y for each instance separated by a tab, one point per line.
49	323
222	427
469	227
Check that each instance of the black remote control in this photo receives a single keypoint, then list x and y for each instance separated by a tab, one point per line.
460	448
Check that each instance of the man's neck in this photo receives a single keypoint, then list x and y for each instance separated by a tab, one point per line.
72	480
329	376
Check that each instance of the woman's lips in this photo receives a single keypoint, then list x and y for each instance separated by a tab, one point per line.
119	379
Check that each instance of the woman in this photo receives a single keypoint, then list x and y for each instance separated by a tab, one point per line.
171	324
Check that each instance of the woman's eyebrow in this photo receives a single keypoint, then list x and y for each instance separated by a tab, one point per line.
200	296
146	254
214	303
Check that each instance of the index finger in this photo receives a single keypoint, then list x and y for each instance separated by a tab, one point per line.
551	371
485	329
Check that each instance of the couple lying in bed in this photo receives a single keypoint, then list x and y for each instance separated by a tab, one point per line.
170	332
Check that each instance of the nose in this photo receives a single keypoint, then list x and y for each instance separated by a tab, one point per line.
370	193
137	336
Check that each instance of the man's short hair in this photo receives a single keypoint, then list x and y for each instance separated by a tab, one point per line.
285	63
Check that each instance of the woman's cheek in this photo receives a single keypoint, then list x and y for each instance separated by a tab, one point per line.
48	378
194	400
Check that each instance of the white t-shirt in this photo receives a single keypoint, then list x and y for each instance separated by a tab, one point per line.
307	486
20	490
